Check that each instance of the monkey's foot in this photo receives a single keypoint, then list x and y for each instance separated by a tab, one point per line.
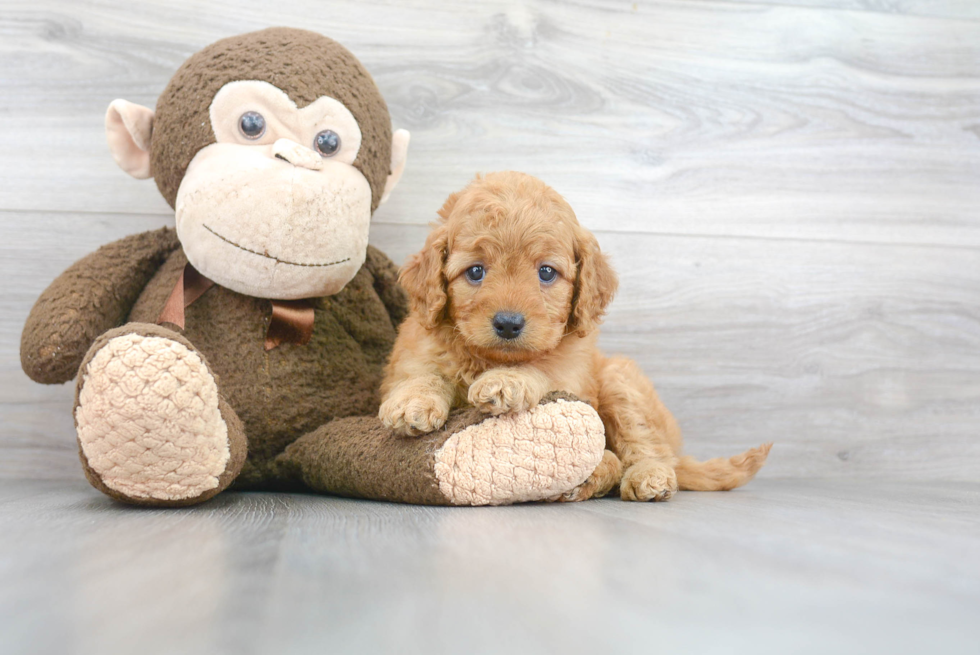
538	454
152	428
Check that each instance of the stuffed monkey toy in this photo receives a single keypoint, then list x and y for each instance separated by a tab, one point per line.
245	348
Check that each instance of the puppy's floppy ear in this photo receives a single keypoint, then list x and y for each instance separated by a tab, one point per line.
595	284
449	205
422	278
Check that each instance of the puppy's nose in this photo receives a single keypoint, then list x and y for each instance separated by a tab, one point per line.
508	325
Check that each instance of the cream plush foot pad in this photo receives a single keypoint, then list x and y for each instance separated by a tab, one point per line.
148	419
528	456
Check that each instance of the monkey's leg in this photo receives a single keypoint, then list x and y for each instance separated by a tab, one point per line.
473	460
152	426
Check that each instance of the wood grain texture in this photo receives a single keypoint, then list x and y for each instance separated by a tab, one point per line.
677	117
789	191
783	566
958	9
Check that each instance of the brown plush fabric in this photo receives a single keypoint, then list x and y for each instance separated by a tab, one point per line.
386	285
305	65
237	442
294	389
94	295
377	464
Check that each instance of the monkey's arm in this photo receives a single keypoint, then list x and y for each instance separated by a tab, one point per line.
386	285
94	295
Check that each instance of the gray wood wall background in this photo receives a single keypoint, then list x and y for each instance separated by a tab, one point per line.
790	191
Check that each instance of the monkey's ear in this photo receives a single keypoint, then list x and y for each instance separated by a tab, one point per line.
127	129
399	153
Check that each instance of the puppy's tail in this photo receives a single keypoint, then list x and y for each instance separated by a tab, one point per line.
720	474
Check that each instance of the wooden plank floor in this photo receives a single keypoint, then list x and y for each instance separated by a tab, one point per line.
790	190
783	566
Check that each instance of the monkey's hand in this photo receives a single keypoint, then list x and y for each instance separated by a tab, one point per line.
93	296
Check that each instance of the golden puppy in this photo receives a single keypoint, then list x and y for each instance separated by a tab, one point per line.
506	299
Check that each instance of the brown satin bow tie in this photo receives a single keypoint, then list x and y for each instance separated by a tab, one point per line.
292	320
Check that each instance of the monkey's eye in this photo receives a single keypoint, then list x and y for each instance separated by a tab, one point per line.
327	143
252	124
475	274
547	274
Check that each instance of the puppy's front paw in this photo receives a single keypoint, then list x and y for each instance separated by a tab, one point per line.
648	479
502	390
414	414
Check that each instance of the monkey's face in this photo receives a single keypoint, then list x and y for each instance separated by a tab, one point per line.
275	208
274	148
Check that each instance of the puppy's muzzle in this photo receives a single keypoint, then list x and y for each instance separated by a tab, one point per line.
508	325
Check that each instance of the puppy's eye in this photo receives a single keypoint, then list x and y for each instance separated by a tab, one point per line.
547	274
252	124
475	274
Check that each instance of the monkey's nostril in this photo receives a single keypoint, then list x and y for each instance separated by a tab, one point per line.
293	153
508	325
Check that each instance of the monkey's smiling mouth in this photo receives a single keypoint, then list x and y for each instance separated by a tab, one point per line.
267	256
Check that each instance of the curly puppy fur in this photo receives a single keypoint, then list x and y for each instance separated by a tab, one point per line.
449	352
